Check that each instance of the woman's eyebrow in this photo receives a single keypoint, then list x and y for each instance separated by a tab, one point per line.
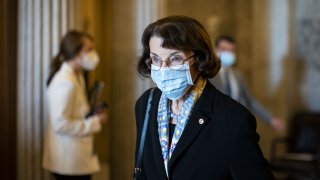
153	54
176	52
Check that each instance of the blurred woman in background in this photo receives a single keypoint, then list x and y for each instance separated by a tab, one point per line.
68	152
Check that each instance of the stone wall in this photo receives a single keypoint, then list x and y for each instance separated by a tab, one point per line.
308	48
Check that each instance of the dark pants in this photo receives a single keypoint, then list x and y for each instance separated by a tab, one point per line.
64	177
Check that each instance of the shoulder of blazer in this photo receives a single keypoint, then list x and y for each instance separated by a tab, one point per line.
60	81
63	76
231	111
214	101
141	104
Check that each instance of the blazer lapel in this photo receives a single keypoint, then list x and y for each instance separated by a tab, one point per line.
197	121
153	126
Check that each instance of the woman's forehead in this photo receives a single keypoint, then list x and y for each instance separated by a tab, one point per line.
88	43
156	48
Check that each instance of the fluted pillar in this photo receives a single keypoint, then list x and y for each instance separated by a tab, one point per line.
147	11
129	18
41	25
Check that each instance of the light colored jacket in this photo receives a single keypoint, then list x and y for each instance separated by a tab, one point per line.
242	94
69	142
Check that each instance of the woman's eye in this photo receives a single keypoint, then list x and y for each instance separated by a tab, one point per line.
175	58
155	59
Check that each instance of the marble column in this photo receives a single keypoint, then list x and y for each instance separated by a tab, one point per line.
308	44
41	25
273	61
129	19
146	12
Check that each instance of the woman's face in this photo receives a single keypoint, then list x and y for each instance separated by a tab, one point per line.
86	48
157	51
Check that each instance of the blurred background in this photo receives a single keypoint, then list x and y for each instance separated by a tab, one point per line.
278	51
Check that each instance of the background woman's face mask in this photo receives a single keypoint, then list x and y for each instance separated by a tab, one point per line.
90	61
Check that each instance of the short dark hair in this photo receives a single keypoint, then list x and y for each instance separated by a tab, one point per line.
227	38
182	33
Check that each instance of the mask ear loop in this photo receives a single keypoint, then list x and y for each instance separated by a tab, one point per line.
190	64
195	80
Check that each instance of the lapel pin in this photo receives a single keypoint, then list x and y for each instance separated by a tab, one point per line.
201	121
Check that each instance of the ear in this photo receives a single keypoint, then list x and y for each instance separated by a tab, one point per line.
78	57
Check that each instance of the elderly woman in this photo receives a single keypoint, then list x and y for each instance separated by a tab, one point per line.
194	131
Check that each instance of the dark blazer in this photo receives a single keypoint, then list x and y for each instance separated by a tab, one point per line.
224	147
245	96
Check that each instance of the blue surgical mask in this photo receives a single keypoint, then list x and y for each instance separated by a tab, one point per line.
173	83
227	58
